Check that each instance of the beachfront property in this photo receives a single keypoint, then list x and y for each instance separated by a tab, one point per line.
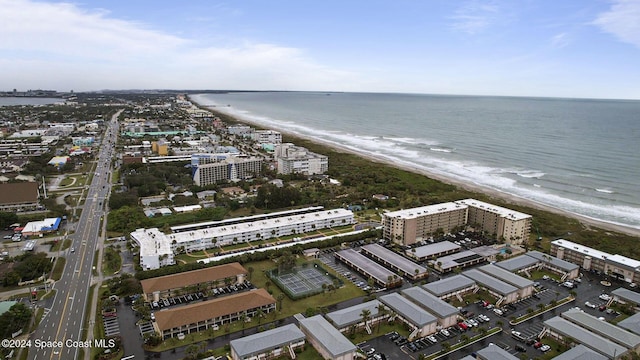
209	171
617	266
351	317
157	249
202	315
560	329
409	226
506	293
330	343
239	130
432	251
266	136
453	286
154	289
395	261
509	225
446	314
525	286
369	268
419	320
270	344
293	159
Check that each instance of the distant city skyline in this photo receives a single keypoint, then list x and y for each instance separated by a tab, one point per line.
586	49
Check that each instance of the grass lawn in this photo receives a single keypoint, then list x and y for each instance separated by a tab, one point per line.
538	274
58	268
111	261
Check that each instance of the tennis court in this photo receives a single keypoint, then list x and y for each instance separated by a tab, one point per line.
302	281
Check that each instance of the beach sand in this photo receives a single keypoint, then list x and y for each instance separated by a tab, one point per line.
589	222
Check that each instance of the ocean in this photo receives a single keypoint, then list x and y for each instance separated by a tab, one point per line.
12	101
578	155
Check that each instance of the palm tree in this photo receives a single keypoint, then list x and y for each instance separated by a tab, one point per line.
365	315
382	311
250	270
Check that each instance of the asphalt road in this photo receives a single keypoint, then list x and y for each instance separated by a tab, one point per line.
58	335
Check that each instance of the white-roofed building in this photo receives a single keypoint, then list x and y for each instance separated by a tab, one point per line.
268	344
293	159
153	242
409	226
326	339
433	251
512	226
395	261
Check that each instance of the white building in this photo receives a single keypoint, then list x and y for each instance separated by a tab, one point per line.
267	137
231	168
157	249
295	159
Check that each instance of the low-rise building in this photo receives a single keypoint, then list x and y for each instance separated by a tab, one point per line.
455	261
433	251
525	286
369	268
446	314
561	329
154	289
494	352
268	344
349	317
456	285
632	323
421	321
580	352
395	261
602	328
626	296
19	196
326	339
566	269
202	315
506	293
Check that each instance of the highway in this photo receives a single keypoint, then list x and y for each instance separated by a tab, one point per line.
59	334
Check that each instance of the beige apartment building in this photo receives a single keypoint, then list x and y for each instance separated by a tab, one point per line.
409	226
511	226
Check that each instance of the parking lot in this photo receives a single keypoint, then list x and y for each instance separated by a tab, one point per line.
200	296
519	339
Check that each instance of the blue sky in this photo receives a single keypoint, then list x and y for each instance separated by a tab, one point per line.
570	48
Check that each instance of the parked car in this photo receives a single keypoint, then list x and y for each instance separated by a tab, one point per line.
605	297
537	345
545	348
498	312
590	305
444	332
432	339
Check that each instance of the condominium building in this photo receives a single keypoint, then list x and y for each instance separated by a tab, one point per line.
229	168
412	225
512	226
618	266
157	249
266	137
295	159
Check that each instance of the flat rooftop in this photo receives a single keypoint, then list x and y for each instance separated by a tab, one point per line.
408	310
261	342
587	338
494	352
503	212
449	285
457	259
517	263
351	315
394	259
490	282
617	259
627	295
429	302
193	277
367	265
417	212
553	261
506	276
602	328
632	323
433	249
580	352
328	336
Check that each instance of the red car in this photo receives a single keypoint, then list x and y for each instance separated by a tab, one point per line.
537	345
484	303
463	326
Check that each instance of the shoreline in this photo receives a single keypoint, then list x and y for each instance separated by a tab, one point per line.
509	198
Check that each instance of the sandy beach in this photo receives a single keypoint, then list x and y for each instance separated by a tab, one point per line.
464	185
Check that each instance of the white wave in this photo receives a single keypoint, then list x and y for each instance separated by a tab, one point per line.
530	174
441	149
606	191
537	185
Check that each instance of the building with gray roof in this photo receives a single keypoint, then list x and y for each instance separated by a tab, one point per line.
344	318
494	352
268	343
632	323
326	339
459	260
505	292
395	261
433	251
445	313
602	328
450	286
626	296
412	314
560	329
518	263
580	352
525	286
369	268
563	267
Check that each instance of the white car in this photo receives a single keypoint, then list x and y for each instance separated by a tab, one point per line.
590	305
371	351
604	297
498	312
432	339
485	317
445	332
545	348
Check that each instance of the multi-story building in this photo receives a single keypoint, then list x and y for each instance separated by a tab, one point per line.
214	169
239	130
512	226
157	249
409	226
266	137
295	159
618	266
19	196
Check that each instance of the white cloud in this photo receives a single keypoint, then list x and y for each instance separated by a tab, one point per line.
474	17
60	45
622	20
560	40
